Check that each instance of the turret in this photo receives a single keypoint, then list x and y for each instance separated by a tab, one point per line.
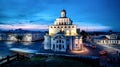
63	20
63	13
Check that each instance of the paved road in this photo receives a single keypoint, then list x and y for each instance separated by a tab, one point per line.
112	55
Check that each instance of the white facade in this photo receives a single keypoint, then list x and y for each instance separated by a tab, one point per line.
63	35
47	42
21	36
58	43
108	40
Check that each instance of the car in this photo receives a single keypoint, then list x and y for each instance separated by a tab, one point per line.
86	45
93	46
103	53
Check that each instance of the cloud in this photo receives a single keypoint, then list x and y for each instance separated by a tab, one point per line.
30	26
87	26
24	26
94	28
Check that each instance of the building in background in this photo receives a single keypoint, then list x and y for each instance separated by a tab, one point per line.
21	35
63	35
112	39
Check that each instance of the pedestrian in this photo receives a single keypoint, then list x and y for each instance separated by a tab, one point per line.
108	60
117	52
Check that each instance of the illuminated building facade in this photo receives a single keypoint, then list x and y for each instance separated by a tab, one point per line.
63	35
112	39
21	35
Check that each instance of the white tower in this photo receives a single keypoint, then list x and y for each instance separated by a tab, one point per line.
63	13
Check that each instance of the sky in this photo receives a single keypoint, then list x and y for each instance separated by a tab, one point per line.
91	15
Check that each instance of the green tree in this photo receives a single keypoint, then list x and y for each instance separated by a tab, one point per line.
84	34
19	37
110	31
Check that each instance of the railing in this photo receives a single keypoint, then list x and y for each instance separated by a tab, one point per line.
9	59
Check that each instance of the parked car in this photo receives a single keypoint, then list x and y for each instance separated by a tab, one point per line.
103	52
86	45
93	46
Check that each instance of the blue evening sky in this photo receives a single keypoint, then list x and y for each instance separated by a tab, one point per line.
38	14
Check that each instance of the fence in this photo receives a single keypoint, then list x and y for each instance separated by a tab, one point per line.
9	59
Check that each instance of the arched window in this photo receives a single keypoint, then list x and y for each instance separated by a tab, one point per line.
69	26
56	46
72	32
57	41
53	46
59	23
62	23
62	41
65	27
60	46
67	32
65	23
72	26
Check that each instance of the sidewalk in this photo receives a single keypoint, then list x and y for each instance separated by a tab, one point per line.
111	48
112	56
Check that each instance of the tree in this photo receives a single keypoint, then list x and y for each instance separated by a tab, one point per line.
19	37
110	31
84	34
